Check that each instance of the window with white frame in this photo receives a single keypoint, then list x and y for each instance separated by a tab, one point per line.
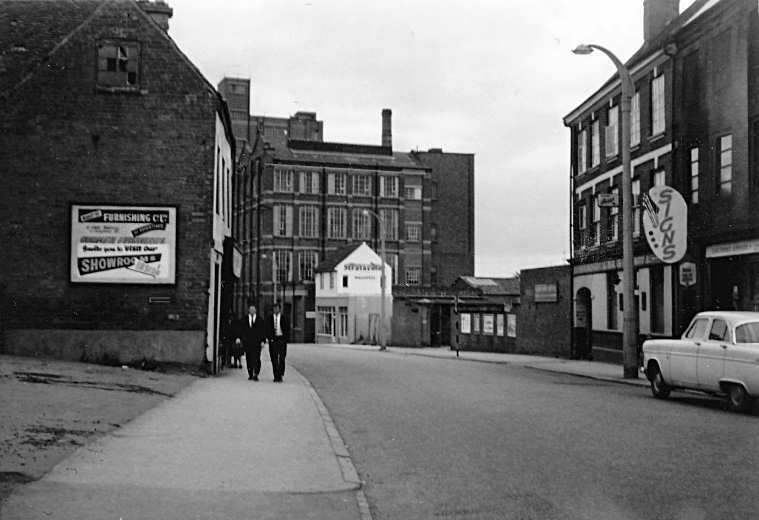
282	266
660	178
636	206
283	180
337	222
725	161
326	323
694	175
582	154
596	222
413	275
362	184
336	183
414	231
389	186
308	217
283	220
309	182
582	217
635	120
412	192
595	144
342	324
612	132
389	218
657	105
614	218
362	224
307	261
392	261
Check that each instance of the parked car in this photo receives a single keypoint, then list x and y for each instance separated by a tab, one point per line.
718	354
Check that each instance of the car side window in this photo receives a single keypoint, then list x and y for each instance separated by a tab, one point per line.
697	329
719	330
747	333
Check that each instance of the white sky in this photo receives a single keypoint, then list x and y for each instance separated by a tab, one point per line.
493	78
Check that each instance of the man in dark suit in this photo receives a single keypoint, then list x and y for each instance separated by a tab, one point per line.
252	332
278	333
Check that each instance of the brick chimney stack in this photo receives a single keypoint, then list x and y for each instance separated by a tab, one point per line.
656	15
387	132
159	11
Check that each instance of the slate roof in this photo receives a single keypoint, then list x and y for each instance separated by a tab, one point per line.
493	286
31	30
345	154
334	258
694	11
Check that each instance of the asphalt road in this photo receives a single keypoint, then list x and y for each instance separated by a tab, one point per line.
441	438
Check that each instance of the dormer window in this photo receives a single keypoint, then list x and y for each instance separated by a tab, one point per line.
118	65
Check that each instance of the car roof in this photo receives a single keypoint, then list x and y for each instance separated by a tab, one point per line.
733	317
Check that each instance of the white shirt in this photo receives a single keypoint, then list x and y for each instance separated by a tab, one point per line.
277	329
251	320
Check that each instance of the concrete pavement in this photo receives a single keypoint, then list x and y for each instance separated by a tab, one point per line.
225	447
589	369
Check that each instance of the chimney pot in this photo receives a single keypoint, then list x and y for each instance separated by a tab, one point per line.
159	11
387	132
656	15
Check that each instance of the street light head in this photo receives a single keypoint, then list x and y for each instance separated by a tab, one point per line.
583	49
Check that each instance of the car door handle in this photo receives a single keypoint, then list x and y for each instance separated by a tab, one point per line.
723	346
698	343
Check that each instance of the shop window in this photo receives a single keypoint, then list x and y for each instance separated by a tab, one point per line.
343	322
326	323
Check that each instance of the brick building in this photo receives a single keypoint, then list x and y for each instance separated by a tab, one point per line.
299	198
117	158
694	128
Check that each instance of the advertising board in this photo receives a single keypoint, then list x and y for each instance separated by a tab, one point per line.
123	244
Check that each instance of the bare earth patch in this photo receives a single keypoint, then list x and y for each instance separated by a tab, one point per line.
50	408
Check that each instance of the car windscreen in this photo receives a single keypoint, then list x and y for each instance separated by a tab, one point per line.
747	333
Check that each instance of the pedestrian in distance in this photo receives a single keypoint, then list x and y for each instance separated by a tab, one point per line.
278	334
252	335
228	341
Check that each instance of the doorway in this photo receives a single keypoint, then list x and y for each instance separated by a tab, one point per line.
583	324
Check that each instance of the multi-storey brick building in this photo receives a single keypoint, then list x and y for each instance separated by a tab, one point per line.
116	157
693	127
300	199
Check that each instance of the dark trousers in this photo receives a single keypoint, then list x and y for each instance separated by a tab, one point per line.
253	360
277	352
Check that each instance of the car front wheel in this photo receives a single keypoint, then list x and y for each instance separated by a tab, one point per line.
738	399
659	388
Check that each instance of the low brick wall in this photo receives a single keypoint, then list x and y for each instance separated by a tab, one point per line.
107	346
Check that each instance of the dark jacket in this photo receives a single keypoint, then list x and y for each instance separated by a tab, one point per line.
284	324
251	337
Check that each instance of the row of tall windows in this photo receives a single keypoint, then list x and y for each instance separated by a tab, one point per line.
589	138
282	265
337	223
309	182
613	222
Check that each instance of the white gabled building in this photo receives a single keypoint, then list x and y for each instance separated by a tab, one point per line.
349	296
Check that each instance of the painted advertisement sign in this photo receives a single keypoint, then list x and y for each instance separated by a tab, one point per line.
666	223
123	244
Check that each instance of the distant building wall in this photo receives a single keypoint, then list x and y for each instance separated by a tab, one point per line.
543	318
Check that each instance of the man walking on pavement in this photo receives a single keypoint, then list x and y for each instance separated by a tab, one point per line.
252	332
278	332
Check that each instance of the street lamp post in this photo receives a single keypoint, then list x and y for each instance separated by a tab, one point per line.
629	314
383	283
